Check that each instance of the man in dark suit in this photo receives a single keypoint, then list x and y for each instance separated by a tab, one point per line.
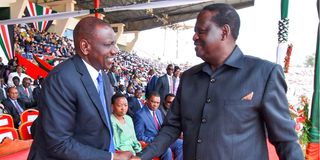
74	120
147	123
14	106
228	105
135	103
164	108
165	83
113	77
151	85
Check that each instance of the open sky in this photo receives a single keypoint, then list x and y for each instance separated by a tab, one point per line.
258	34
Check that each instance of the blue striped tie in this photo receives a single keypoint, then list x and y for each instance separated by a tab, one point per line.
104	104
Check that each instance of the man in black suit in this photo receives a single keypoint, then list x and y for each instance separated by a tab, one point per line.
165	83
13	105
226	105
135	103
74	120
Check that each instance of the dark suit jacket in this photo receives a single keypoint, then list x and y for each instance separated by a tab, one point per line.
133	106
72	123
144	124
36	95
9	106
219	124
162	86
151	86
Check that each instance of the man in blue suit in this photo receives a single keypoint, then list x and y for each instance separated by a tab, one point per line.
147	123
74	120
227	106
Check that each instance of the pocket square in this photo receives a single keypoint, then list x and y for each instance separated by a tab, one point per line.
248	97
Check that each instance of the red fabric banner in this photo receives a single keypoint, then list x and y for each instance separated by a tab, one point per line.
31	69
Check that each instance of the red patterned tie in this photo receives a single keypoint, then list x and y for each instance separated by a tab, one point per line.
156	121
26	91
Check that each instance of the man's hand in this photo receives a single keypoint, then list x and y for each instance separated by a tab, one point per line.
135	158
123	155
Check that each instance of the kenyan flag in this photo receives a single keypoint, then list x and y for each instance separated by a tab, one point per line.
33	9
6	42
42	64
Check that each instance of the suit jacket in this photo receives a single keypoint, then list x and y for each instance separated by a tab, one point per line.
29	101
113	79
216	121
72	123
144	124
133	106
11	109
162	86
36	95
151	86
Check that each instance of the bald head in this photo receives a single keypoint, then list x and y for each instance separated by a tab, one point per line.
86	29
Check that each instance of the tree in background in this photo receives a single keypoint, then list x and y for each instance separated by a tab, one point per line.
309	61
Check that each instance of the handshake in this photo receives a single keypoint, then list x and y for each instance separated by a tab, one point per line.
125	155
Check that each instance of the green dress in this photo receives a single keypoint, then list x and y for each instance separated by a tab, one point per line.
124	135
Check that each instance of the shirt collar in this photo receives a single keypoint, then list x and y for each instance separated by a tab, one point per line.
234	60
92	71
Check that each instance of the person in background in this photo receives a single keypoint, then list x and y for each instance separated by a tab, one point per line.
14	106
231	103
152	81
176	78
147	123
165	83
18	73
136	102
75	103
164	108
16	81
124	135
25	92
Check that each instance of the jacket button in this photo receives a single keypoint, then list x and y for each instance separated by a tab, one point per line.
199	140
212	80
208	100
204	120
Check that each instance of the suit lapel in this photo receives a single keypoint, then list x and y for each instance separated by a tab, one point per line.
150	118
108	92
159	116
90	87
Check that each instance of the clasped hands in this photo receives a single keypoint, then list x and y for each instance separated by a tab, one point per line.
125	155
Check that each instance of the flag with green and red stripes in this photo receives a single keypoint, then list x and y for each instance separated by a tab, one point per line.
6	42
42	64
33	9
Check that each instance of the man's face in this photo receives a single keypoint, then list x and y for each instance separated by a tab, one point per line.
207	36
26	83
102	48
170	70
177	73
13	93
167	103
138	93
153	102
19	69
120	106
16	82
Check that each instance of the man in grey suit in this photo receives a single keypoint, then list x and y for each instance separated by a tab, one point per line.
229	105
74	121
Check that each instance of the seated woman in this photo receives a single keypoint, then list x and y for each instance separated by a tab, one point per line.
123	130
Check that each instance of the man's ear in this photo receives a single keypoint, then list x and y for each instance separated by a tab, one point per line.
84	46
226	32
